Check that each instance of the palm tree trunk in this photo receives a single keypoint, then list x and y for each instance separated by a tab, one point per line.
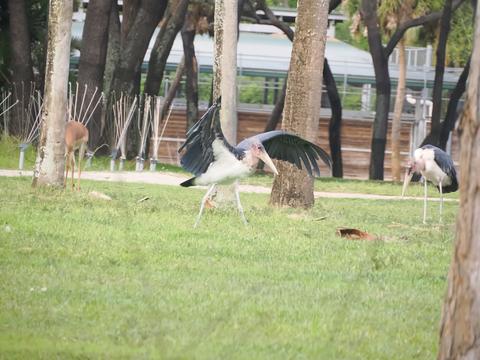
397	111
191	70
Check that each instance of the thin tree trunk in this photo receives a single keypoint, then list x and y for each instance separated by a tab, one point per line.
335	125
460	327
433	137
451	116
163	45
50	164
92	62
382	82
294	187
191	69
20	61
113	48
397	111
135	44
172	90
277	111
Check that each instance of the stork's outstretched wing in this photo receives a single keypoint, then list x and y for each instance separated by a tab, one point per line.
198	152
282	145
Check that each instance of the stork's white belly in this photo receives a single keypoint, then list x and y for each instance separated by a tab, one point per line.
225	169
435	175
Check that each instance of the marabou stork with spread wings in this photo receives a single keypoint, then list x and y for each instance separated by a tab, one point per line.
208	155
436	166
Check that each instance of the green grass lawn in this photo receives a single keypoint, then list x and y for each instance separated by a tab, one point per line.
9	160
86	278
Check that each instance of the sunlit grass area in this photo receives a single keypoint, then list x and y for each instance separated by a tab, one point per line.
89	278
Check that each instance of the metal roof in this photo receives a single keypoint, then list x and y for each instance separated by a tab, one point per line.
267	53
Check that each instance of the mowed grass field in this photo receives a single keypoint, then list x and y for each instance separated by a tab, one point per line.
88	278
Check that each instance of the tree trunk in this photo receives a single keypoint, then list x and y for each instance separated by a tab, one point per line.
172	90
163	44
113	48
135	44
382	82
225	66
335	125
460	328
294	187
191	69
433	137
276	114
397	111
451	116
20	61
92	63
50	164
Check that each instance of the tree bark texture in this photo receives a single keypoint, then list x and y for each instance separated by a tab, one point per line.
382	82
20	61
460	327
163	45
397	111
433	137
335	125
225	65
92	62
50	164
135	44
294	187
451	116
191	69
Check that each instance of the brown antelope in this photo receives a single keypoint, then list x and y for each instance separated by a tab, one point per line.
76	137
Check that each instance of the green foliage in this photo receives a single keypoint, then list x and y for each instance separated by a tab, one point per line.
85	278
460	39
343	33
282	3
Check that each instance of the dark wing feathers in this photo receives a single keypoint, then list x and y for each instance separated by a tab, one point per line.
282	145
198	153
445	162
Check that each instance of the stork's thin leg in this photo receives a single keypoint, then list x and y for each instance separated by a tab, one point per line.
425	203
202	205
239	205
441	200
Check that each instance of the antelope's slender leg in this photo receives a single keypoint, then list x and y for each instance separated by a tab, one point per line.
72	157
425	202
239	205
67	165
441	200
202	205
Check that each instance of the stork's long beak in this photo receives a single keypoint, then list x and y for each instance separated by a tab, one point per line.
268	161
408	177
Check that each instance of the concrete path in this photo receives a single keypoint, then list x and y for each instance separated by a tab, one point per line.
162	178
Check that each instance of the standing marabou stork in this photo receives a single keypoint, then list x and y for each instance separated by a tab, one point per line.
436	166
209	156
